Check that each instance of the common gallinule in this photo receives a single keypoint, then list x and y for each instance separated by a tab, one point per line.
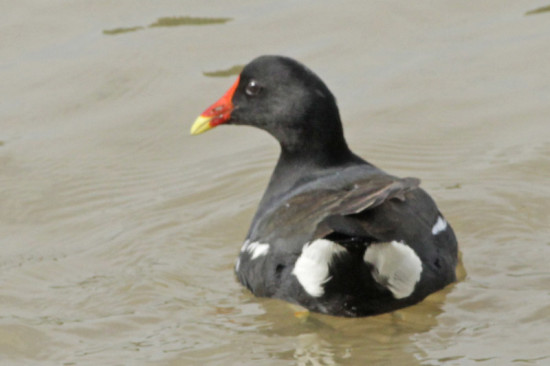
332	233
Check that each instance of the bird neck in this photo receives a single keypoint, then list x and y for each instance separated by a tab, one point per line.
296	167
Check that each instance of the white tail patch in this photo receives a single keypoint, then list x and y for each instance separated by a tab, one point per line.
255	249
440	225
312	267
396	266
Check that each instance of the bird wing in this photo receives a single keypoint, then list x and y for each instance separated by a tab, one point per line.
316	213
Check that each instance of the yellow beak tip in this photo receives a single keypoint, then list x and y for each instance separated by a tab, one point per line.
201	124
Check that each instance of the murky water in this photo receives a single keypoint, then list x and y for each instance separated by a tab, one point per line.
118	230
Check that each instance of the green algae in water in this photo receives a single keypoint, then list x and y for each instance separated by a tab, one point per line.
121	30
234	70
179	21
544	9
170	22
454	186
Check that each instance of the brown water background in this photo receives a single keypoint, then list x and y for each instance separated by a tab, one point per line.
119	231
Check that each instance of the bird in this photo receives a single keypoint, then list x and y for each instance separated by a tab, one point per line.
332	233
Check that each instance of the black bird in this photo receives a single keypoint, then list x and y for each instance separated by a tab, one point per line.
332	233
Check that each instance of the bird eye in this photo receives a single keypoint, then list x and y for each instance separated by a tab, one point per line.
252	88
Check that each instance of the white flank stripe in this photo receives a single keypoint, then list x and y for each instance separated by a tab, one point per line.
257	249
397	267
245	246
439	226
312	267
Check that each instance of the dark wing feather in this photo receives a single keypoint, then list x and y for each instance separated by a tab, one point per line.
314	213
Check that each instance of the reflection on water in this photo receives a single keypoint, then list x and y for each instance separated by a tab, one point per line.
312	350
460	270
318	339
170	22
233	70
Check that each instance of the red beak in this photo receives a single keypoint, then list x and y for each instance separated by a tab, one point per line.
216	114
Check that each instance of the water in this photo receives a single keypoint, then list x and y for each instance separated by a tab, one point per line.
119	231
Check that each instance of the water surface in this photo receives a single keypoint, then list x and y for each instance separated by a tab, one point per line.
119	231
